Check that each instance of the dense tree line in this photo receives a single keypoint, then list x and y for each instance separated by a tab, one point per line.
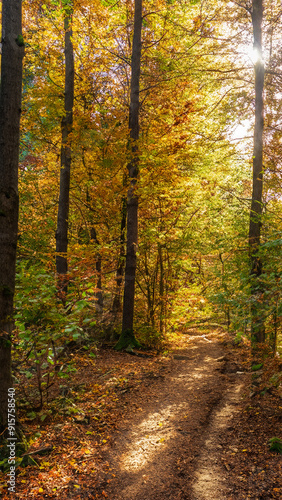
129	126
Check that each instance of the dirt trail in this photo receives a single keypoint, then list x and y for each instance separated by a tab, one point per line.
168	445
210	478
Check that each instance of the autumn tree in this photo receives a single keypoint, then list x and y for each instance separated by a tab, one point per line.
257	202
67	120
10	110
132	197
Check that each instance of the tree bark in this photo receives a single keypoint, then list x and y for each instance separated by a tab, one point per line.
10	110
258	331
98	265
132	197
116	308
162	297
66	125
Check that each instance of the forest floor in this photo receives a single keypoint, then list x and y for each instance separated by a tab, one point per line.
184	424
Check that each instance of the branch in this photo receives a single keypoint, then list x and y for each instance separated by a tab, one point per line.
245	7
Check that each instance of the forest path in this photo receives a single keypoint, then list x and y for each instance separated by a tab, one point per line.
168	444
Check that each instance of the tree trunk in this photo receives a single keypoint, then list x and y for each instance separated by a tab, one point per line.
10	110
258	331
63	208
162	297
116	308
98	265
132	197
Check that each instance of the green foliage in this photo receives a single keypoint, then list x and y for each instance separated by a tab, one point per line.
243	297
110	3
257	367
35	301
20	41
36	307
127	341
275	444
21	447
149	337
44	327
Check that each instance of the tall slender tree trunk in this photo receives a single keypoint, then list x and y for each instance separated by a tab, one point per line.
116	308
162	294
66	125
258	331
98	265
132	197
10	110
